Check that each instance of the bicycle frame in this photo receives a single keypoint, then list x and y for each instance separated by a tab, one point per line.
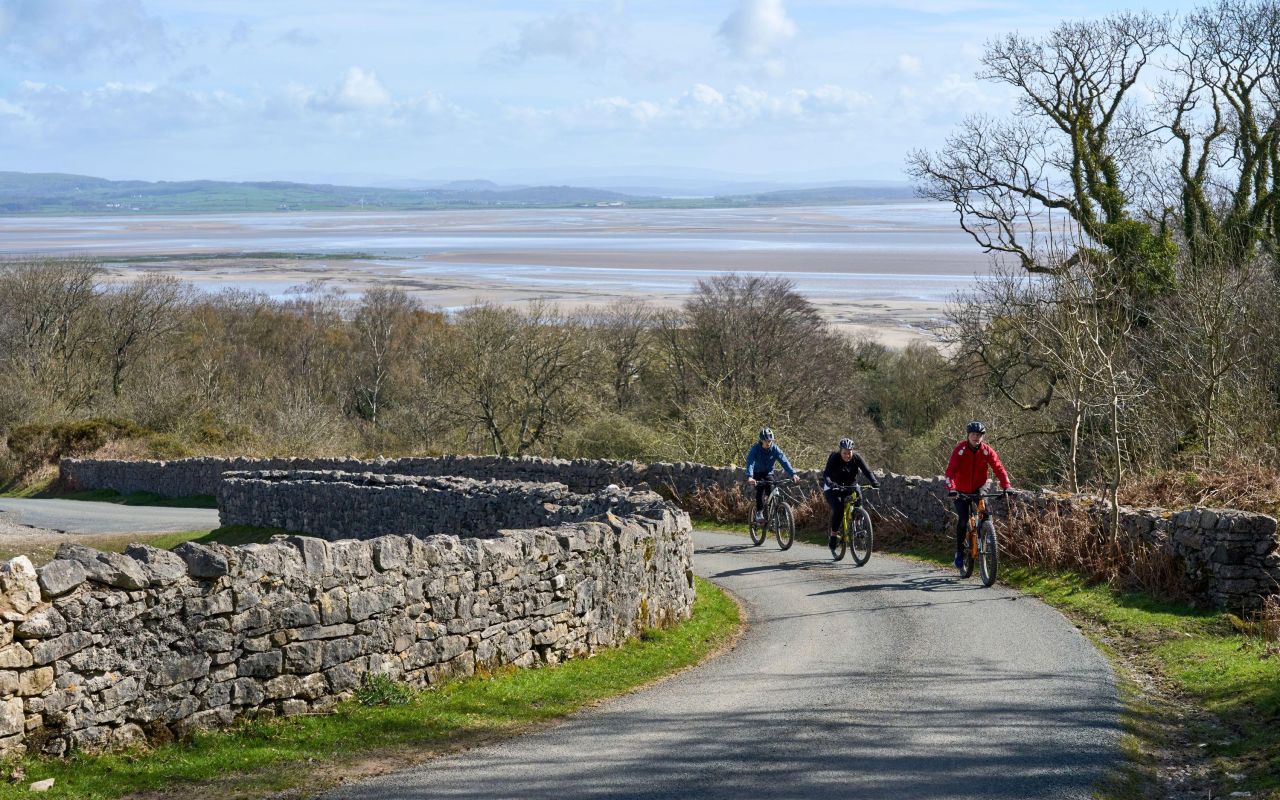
851	503
980	539
978	514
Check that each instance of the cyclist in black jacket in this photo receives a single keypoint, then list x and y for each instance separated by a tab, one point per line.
842	470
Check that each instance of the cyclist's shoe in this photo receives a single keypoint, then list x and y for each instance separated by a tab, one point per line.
959	562
759	517
833	542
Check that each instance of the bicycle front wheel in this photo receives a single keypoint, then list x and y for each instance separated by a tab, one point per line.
838	544
756	530
784	526
861	537
966	560
989	554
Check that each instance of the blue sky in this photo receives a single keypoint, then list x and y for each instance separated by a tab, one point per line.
800	90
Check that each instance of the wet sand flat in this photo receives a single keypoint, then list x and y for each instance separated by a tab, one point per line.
886	271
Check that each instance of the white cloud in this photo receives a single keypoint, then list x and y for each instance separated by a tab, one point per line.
909	65
142	109
572	36
116	107
358	91
757	29
297	37
239	35
73	34
705	107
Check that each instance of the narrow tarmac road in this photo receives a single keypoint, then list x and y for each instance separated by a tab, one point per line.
896	680
82	516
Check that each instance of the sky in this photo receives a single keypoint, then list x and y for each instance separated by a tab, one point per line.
515	91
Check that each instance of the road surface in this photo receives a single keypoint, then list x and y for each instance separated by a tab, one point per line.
81	516
896	680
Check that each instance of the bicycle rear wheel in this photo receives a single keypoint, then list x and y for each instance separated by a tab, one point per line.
784	526
861	537
989	553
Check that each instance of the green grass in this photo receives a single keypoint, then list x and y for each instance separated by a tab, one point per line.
1207	658
133	499
392	728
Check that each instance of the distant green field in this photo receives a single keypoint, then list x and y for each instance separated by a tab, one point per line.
58	194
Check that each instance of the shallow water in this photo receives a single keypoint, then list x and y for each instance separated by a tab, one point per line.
870	266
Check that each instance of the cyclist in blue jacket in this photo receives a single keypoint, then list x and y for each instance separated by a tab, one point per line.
760	461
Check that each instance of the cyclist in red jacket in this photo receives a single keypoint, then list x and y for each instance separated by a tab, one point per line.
967	474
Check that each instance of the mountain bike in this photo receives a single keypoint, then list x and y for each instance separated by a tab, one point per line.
856	533
778	517
981	544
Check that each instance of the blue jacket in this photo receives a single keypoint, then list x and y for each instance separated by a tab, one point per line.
762	460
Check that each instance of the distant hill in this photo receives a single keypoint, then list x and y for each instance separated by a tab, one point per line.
56	193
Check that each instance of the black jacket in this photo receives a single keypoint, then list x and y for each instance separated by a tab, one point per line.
839	472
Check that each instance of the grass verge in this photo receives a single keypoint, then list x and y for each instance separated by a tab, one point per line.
393	728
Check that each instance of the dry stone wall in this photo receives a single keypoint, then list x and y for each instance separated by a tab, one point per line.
190	477
1231	558
101	650
340	505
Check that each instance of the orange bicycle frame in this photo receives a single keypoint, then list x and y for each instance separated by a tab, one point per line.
979	509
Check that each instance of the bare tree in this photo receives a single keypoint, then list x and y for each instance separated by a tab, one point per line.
1205	342
516	375
383	324
48	325
137	314
1221	108
1063	163
625	330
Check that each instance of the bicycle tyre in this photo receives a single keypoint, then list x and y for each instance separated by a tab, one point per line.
756	530
966	558
989	551
861	538
841	542
784	526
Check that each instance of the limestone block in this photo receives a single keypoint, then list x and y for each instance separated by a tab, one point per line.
43	624
113	569
12	718
202	561
61	576
53	649
162	566
19	586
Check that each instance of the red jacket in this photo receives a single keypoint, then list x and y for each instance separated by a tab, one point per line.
967	469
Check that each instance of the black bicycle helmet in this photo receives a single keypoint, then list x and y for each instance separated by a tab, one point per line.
845	444
766	434
975	427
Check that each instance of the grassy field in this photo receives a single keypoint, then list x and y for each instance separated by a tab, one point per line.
388	726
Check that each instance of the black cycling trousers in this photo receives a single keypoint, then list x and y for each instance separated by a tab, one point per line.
963	505
761	488
835	500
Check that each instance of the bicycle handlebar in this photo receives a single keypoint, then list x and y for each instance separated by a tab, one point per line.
981	495
851	487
